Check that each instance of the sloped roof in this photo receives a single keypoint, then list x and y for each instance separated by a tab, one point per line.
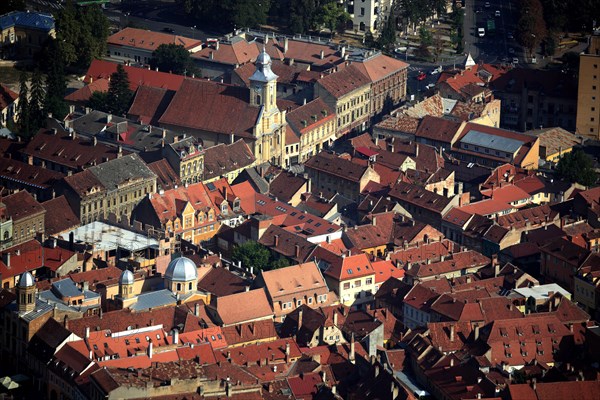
149	40
100	69
349	267
169	205
219	102
345	81
381	66
83	95
256	306
334	165
293	279
22	205
221	159
149	103
314	114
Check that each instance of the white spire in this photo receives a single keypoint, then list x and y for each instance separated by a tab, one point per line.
469	62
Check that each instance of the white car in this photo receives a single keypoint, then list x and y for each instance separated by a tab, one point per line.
487	4
515	60
497	13
436	71
480	32
430	86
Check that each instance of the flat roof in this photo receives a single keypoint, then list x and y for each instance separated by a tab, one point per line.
542	291
108	237
493	142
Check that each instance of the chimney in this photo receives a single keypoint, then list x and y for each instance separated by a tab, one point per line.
452	333
231	138
324	377
476	332
87	332
376	372
285	45
343	51
94	141
335	318
351	356
175	336
300	312
276	239
150	349
322	55
197	310
211	56
374	221
66	322
108	118
287	349
297	250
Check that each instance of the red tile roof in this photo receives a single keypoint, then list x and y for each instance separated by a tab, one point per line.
385	270
314	114
337	166
219	102
345	81
149	40
305	385
568	390
256	307
83	95
149	103
71	151
238	52
24	257
22	205
381	66
100	69
221	159
166	178
59	216
349	267
171	203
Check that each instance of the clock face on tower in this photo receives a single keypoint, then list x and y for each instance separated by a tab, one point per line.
257	88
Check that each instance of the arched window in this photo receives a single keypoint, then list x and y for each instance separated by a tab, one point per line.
190	286
178	286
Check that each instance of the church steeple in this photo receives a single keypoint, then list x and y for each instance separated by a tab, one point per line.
263	83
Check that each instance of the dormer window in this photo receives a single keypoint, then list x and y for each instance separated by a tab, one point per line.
224	208
236	205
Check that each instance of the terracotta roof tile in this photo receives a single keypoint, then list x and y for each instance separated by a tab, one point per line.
149	40
314	114
83	95
219	102
222	282
100	69
257	307
438	129
286	185
59	216
222	159
149	104
7	96
22	205
345	81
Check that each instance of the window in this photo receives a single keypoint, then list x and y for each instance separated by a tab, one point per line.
347	285
357	283
283	306
369	281
310	300
298	303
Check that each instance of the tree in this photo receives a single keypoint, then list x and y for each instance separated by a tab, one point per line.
577	167
228	13
56	84
171	58
81	33
252	254
23	111
531	27
279	263
37	115
119	95
334	17
7	6
369	40
99	101
387	38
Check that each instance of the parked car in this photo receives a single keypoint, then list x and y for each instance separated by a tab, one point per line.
510	36
515	60
511	50
421	76
430	86
497	13
436	71
481	32
487	4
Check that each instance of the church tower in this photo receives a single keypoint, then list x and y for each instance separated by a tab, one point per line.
26	292
270	127
263	84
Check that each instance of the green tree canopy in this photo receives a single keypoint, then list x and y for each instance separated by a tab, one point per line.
226	14
23	119
252	254
81	33
119	95
577	167
387	38
99	101
531	27
334	17
56	84
172	58
37	115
